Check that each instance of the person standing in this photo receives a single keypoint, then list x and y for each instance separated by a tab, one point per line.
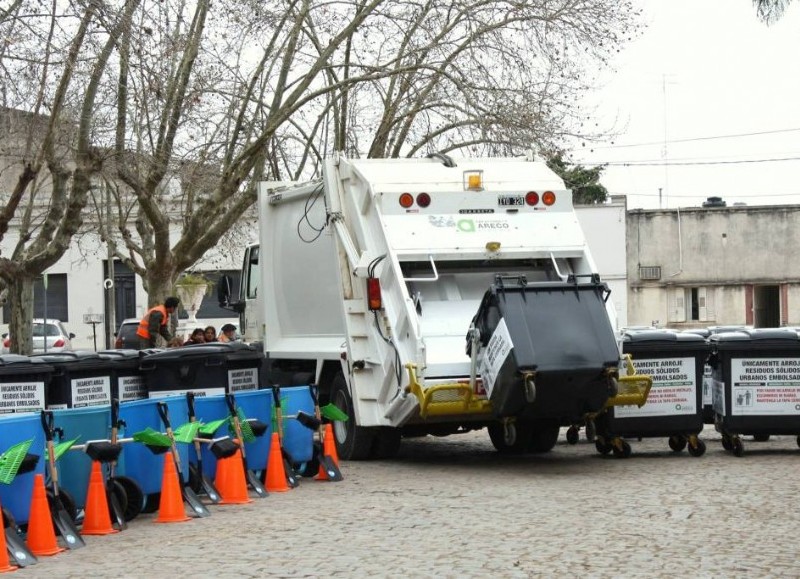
156	322
227	333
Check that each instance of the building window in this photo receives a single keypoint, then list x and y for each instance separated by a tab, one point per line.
57	299
691	304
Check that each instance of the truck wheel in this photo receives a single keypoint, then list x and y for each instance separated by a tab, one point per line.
543	437
353	442
387	442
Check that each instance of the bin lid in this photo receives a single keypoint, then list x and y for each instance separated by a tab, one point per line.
671	336
121	354
16	362
705	332
79	360
228	350
758	335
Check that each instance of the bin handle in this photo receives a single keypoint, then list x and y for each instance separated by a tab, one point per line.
435	273
190	404
230	400
163	412
555	266
47	424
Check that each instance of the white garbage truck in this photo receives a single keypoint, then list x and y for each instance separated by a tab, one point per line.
431	296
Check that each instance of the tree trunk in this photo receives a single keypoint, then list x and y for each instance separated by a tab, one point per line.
20	329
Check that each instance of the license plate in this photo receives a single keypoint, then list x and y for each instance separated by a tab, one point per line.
510	200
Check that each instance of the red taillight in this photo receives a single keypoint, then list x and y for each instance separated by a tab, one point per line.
7	342
548	198
59	343
118	343
374	293
532	198
423	199
406	200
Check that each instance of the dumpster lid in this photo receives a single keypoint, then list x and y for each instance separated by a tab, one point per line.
230	350
19	360
121	354
778	334
705	332
672	336
76	356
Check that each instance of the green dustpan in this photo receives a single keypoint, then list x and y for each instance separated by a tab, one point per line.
333	412
152	437
209	428
11	459
62	447
186	433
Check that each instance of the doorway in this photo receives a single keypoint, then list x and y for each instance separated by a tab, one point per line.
766	306
124	297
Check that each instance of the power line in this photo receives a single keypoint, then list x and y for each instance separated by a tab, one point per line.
689	163
693	139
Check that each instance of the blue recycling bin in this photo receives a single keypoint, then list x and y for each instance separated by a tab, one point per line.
139	463
255	404
297	439
74	467
16	428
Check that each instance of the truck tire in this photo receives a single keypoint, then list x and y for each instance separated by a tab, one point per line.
353	442
543	437
387	442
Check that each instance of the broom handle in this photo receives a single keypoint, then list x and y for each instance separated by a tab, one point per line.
164	412
193	418
47	425
231	402
276	398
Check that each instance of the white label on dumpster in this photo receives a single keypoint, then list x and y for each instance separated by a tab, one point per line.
91	391
243	379
494	355
197	392
21	397
674	390
131	388
765	386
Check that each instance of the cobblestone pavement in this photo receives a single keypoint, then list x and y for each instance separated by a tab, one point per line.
452	507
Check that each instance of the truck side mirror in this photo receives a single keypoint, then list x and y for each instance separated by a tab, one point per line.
224	291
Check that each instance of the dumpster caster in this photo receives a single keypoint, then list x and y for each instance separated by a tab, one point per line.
726	443
621	448
761	437
737	446
530	388
696	447
591	431
677	443
602	446
798	440
572	435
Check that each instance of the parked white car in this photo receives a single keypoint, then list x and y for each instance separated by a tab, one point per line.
58	338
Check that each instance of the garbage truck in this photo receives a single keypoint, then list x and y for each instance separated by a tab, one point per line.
431	296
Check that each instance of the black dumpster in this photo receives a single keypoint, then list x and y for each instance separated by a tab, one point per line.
708	411
127	381
756	376
207	369
23	383
548	350
79	379
674	407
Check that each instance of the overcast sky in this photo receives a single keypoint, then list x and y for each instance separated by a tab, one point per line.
706	100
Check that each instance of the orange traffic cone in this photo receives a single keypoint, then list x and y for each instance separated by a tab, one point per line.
276	474
328	449
97	519
230	481
170	508
41	534
5	562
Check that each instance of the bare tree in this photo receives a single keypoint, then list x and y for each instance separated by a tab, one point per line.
770	11
60	58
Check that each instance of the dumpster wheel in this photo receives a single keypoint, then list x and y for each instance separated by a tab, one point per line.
677	443
798	440
573	434
602	445
726	442
697	447
737	446
620	447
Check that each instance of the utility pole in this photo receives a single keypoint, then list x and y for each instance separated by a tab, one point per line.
111	315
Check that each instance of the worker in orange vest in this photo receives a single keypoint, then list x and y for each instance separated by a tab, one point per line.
156	322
